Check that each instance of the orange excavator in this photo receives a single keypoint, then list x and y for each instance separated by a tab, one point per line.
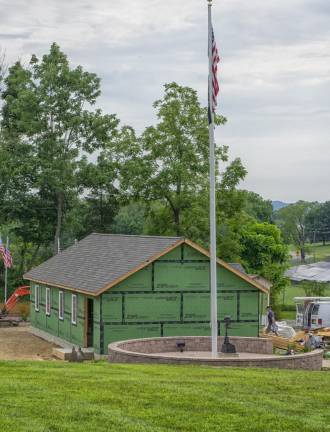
14	299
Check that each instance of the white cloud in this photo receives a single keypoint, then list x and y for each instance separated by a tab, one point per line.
275	86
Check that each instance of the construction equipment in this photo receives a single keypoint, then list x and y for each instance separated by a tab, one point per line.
14	299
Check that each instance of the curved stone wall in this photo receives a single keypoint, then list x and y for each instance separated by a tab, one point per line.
156	350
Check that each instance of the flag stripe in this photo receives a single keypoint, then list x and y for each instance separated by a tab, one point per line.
7	258
215	83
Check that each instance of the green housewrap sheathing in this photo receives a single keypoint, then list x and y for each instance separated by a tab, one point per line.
63	329
169	297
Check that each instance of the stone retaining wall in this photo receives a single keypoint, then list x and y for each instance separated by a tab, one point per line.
196	343
150	351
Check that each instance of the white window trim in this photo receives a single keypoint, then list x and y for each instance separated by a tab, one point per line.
61	305
37	298
48	301
74	309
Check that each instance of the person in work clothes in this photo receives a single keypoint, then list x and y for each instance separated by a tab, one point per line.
272	327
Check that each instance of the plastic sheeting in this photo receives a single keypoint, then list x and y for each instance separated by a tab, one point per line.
317	272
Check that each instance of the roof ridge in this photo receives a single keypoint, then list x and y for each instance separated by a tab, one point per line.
136	235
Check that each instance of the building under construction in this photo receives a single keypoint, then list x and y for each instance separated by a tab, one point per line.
114	287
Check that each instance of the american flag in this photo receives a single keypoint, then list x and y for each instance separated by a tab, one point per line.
6	255
7	258
214	73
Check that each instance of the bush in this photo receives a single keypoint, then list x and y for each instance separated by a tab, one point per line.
24	311
288	308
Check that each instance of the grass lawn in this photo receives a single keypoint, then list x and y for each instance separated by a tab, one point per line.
59	397
287	315
322	252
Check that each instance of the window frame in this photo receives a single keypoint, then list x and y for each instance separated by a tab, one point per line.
74	309
37	298
48	304
61	305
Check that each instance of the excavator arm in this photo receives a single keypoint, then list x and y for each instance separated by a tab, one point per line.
15	297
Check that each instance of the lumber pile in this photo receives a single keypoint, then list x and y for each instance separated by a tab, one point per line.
324	332
284	343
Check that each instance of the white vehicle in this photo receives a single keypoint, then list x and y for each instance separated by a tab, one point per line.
312	312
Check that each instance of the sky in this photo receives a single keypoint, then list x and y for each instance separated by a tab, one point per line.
274	73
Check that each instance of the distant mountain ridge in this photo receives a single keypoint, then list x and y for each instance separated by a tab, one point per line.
278	205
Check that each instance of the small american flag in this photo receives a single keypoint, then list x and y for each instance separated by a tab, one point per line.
5	255
214	73
7	258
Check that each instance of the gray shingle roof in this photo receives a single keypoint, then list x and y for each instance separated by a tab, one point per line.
98	260
238	266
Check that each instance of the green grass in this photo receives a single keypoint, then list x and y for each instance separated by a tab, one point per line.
60	397
297	290
287	315
321	251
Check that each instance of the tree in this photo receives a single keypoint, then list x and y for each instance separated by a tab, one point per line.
45	107
169	163
318	222
102	197
292	222
130	219
257	207
264	252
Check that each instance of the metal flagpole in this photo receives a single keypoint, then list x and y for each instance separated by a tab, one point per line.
6	273
213	242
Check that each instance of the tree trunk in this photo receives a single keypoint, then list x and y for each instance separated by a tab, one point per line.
176	213
59	206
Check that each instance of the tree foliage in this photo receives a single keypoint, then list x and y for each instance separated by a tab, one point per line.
257	207
264	253
292	222
45	110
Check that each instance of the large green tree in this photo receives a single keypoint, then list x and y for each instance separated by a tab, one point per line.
292	221
46	106
263	252
168	165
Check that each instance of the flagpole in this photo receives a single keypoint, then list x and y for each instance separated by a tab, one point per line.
6	273
213	243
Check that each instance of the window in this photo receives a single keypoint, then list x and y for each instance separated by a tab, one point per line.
316	309
74	309
61	305
36	298
48	301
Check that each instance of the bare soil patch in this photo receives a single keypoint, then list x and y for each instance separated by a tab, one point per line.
17	343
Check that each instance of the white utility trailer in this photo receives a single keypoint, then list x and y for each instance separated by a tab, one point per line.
312	312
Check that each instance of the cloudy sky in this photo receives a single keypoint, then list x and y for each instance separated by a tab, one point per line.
275	72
